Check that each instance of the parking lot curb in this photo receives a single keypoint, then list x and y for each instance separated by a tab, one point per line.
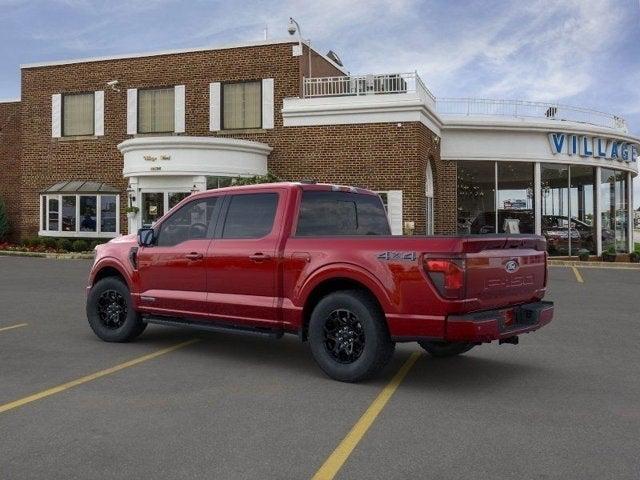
606	265
57	256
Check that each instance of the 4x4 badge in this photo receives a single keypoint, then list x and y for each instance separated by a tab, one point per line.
407	256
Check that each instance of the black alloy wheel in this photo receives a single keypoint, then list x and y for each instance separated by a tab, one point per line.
111	313
344	336
112	309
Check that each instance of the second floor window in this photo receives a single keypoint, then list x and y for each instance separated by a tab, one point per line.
156	110
78	114
241	105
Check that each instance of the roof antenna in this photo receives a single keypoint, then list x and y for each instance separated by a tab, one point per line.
266	32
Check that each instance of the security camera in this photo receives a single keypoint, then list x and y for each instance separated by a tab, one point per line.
113	85
292	27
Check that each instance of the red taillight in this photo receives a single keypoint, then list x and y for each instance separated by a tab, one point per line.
447	275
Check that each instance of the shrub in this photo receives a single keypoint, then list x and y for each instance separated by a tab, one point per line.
65	244
583	254
49	242
80	246
4	221
27	242
35	241
634	257
95	243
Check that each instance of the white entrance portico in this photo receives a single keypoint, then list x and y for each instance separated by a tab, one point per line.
163	170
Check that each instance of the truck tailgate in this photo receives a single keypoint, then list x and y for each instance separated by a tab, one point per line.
505	271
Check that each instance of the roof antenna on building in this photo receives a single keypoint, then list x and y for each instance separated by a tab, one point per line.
266	32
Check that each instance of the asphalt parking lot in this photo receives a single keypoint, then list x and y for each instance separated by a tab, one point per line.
565	403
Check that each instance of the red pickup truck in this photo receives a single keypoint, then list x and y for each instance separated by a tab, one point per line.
317	261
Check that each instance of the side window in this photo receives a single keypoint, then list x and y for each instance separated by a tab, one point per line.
341	213
191	222
250	216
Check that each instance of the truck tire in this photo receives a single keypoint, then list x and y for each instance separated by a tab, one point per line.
110	311
348	336
446	349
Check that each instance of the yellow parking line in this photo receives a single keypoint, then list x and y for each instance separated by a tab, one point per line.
13	326
93	376
578	275
332	465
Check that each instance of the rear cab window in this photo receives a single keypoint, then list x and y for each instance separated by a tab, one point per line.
325	213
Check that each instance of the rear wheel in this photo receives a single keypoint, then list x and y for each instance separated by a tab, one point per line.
446	349
348	336
110	311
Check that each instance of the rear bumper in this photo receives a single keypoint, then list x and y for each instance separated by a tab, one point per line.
498	324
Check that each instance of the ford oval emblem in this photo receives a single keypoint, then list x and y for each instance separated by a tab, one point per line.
511	266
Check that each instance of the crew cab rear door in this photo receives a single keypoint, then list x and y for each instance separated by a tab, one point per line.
171	272
242	261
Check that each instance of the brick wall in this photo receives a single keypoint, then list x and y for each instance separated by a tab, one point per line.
376	156
9	160
45	161
445	183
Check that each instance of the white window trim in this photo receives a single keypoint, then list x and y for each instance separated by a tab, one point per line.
395	223
77	234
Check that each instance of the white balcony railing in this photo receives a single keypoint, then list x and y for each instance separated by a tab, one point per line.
401	83
526	109
356	85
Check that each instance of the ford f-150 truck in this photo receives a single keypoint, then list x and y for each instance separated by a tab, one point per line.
318	261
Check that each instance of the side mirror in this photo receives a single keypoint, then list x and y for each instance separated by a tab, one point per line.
146	237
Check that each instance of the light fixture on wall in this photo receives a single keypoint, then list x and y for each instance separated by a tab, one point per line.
194	190
292	29
131	192
113	85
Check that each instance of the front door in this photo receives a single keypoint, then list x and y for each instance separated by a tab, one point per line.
242	261
172	274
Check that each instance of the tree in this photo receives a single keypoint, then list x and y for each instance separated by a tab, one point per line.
4	221
268	178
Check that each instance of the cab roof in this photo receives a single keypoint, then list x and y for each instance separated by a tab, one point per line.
290	185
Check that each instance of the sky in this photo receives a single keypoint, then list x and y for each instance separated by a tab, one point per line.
577	52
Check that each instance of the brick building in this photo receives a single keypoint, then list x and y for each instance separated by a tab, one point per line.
90	137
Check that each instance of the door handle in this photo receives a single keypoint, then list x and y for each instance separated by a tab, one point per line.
259	257
194	256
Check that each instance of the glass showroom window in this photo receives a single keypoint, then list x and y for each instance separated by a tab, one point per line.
476	197
515	198
78	114
613	206
79	215
582	208
555	207
156	110
241	105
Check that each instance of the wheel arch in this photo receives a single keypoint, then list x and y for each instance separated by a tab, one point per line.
329	282
109	269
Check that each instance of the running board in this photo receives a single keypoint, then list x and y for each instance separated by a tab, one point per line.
212	327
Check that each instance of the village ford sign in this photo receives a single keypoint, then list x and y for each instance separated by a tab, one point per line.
596	147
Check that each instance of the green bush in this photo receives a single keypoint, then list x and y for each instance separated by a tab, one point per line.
49	242
27	242
35	241
95	243
65	244
4	221
80	246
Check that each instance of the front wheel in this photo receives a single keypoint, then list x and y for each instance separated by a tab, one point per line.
110	311
446	349
348	336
